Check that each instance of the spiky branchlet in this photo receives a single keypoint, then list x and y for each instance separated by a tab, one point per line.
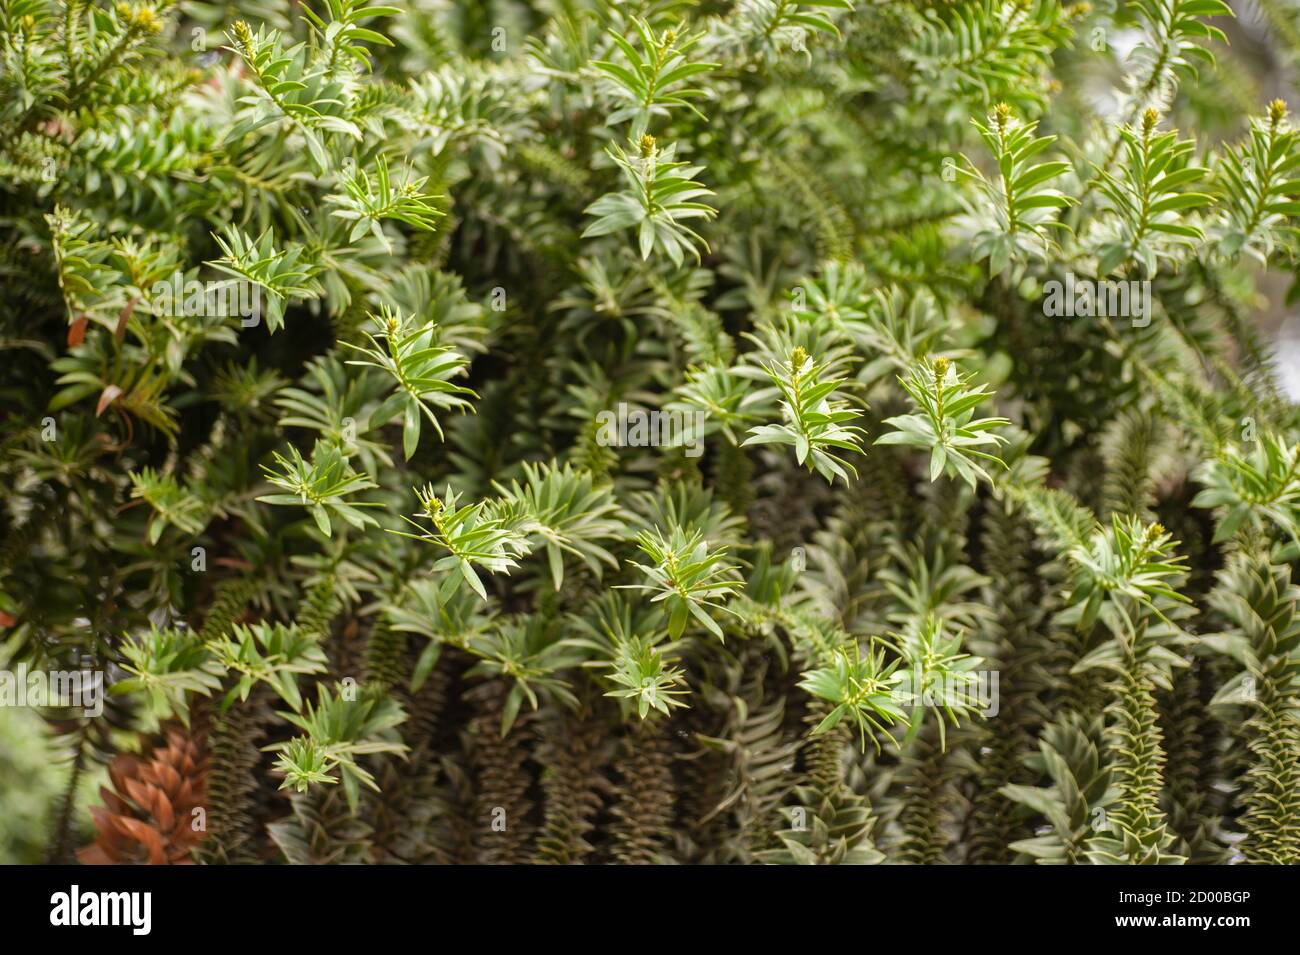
863	689
416	809
644	796
758	747
687	576
827	823
422	370
816	417
946	424
1124	580
1131	447
281	274
323	830
501	826
1259	487
367	205
1015	642
1260	187
340	727
925	802
1191	743
1148	202
322	485
897	681
1255	595
565	512
1014	214
654	80
527	655
1136	832
574	785
472	535
1076	797
660	197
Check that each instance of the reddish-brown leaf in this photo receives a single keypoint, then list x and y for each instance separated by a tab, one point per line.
123	317
77	331
106	398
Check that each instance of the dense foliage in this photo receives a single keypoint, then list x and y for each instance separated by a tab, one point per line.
583	431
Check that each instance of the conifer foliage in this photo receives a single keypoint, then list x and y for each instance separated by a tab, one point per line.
650	431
